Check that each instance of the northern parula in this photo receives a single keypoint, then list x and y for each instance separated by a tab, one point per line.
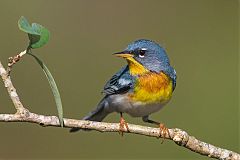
140	88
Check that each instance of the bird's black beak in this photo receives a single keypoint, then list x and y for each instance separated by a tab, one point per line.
123	54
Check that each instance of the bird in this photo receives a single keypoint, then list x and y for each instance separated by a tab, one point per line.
140	88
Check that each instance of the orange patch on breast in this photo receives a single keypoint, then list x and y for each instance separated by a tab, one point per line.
152	88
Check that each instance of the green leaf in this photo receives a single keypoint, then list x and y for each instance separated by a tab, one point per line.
44	36
54	88
24	26
37	34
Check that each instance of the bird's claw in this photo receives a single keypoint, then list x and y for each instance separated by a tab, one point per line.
123	124
163	132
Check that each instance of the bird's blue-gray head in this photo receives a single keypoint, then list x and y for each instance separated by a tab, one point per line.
146	55
150	54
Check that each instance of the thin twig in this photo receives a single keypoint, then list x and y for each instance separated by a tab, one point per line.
179	136
13	60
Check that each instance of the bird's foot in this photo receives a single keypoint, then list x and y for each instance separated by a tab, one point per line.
164	132
122	124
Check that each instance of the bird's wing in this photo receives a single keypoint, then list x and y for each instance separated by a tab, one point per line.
119	83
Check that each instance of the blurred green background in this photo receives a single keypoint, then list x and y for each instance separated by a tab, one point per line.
200	36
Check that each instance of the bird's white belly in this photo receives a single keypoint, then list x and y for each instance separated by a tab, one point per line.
121	103
140	109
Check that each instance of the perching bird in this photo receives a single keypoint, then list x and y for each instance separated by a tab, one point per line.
140	88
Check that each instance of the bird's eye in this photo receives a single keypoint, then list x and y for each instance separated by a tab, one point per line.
142	53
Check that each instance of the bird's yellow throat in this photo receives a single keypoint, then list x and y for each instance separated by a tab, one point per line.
135	67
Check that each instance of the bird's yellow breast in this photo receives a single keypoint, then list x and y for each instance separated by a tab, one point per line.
152	88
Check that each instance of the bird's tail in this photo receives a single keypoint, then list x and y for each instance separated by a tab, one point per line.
96	115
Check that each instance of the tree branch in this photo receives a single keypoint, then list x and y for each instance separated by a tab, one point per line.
179	136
